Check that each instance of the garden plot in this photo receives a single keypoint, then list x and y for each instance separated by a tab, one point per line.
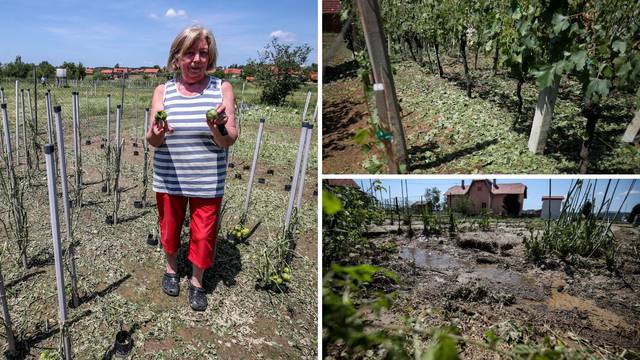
119	273
475	289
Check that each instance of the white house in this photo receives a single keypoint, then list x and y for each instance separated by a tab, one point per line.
551	206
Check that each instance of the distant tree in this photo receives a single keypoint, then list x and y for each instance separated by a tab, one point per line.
17	68
81	71
463	205
117	65
219	73
312	67
97	75
156	66
250	69
279	70
432	197
72	69
45	69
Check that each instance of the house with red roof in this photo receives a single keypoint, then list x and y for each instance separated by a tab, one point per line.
486	195
232	72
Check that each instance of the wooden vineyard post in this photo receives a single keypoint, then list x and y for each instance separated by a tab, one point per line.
542	118
632	129
376	46
57	251
254	164
66	205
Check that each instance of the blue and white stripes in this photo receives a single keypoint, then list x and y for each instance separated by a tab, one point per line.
189	163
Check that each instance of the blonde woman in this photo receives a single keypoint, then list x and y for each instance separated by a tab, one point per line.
189	163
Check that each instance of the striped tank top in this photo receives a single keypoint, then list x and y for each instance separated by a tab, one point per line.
189	163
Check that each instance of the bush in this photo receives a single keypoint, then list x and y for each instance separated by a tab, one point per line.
279	70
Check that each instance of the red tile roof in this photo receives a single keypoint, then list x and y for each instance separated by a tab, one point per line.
516	188
151	71
331	6
233	71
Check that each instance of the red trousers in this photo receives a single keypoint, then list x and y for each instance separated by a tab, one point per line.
203	225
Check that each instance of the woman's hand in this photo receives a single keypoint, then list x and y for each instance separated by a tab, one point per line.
157	129
220	120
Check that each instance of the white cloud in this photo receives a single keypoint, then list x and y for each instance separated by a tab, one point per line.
154	16
173	13
283	35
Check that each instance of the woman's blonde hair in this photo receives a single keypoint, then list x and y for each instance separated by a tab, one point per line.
185	40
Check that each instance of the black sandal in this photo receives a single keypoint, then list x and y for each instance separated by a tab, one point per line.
197	298
171	284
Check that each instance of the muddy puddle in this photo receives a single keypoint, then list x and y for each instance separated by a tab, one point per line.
430	260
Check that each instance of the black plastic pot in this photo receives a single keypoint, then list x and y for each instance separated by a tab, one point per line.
109	220
287	187
87	142
104	188
290	178
123	344
315	192
135	144
270	172
262	181
246	167
136	153
238	176
151	240
232	165
101	146
137	204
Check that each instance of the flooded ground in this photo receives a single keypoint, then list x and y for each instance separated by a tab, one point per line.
481	280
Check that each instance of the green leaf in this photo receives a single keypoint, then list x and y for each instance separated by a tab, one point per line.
444	349
361	136
619	46
545	76
559	22
623	70
330	203
579	58
597	89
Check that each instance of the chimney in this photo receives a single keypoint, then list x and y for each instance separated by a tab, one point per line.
462	184
495	185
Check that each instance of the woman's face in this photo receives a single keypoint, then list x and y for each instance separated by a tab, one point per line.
193	63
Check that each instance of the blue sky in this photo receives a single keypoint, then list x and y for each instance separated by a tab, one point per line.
536	188
139	33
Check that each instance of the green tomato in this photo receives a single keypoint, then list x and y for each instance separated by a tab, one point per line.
279	280
244	232
286	277
212	114
286	270
161	116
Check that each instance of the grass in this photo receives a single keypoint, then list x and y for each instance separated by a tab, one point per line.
119	274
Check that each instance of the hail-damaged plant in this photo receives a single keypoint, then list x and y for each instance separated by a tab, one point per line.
14	219
347	215
273	260
453	226
581	229
430	223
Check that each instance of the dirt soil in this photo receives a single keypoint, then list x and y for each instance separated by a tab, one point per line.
481	280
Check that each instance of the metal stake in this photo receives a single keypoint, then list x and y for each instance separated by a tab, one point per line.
254	163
